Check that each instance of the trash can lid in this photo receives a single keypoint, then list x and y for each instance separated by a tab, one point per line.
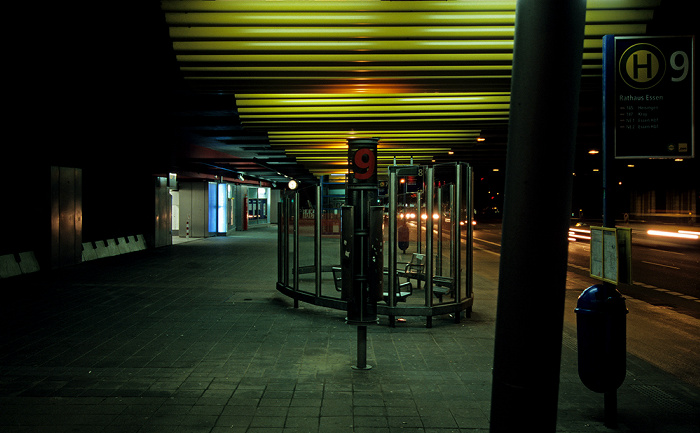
598	298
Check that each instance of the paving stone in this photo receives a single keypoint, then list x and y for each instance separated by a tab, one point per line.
194	337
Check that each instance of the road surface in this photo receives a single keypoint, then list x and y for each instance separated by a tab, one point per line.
663	324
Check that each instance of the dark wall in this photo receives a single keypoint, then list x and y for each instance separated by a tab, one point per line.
92	90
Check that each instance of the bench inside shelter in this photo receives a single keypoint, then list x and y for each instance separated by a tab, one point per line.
405	289
415	269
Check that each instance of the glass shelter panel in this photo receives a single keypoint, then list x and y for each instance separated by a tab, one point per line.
451	232
306	239
291	220
330	252
409	215
466	221
427	235
318	244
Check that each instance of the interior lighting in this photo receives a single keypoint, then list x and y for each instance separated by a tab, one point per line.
221	208
593	152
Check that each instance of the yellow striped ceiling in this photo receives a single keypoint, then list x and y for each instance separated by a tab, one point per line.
427	77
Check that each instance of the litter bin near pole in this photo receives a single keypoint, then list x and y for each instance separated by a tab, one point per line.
403	236
601	333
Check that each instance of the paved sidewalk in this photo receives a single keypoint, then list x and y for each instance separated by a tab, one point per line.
195	338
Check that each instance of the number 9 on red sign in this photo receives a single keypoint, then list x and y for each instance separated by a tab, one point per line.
364	160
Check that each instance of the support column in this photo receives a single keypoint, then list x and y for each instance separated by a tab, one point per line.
541	140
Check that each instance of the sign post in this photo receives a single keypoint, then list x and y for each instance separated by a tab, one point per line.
361	243
648	112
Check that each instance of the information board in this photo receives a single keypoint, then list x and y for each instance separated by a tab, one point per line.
611	254
652	80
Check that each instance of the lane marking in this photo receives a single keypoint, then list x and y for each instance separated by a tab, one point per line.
648	286
660	264
488	242
636	283
666	291
487	251
667	252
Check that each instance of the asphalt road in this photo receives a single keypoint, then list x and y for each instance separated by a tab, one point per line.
663	323
665	272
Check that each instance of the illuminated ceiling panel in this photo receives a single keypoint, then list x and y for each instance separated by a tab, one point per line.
427	77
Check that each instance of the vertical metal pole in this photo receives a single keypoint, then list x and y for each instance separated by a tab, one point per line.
317	238
541	140
393	243
469	209
438	256
454	230
429	183
610	409
280	243
419	225
361	349
295	208
609	68
456	236
362	241
285	234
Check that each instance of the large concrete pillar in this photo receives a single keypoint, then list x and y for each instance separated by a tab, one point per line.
541	141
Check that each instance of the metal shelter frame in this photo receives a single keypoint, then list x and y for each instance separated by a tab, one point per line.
434	200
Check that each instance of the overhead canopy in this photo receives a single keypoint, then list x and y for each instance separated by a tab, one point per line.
431	79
